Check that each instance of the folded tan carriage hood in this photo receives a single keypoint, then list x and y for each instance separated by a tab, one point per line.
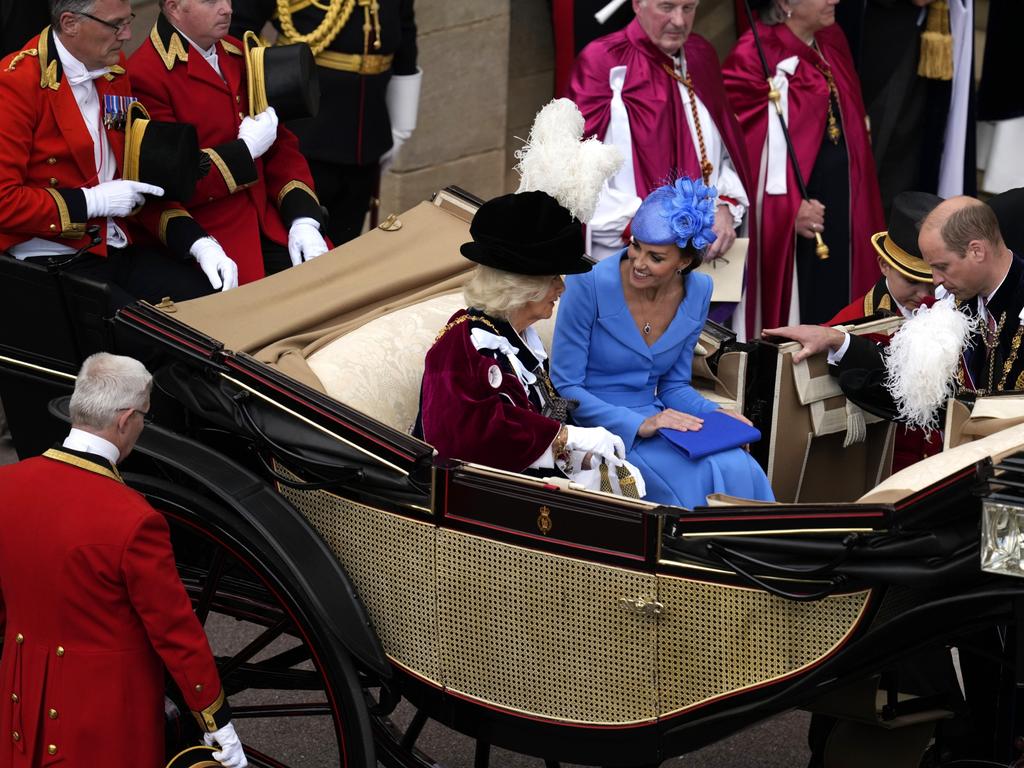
346	287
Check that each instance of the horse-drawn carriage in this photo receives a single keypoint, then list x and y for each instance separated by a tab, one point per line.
340	568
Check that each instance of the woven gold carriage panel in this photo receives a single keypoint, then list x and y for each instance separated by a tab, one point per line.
545	635
390	560
716	639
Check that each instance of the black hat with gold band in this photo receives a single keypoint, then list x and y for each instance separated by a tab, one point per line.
164	154
898	246
283	77
194	757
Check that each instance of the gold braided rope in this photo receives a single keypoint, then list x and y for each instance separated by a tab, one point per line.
335	19
705	165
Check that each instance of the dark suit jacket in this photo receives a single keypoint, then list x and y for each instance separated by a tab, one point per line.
352	127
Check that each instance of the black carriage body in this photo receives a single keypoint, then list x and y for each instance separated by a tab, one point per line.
539	617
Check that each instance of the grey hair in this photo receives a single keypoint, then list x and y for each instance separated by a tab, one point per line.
500	293
60	7
774	14
106	385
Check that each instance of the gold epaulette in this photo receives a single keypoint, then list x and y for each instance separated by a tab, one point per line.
20	56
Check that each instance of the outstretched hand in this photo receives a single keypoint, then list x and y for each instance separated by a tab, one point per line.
813	338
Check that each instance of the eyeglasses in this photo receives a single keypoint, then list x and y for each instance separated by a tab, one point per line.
117	26
146	418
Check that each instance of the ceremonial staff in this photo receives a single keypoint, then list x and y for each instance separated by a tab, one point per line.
776	98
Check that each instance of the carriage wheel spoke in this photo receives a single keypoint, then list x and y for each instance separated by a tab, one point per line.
259	677
311	709
412	733
258	644
259	760
482	756
213	575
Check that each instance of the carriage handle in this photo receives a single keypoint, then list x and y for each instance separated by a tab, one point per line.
804	597
353	473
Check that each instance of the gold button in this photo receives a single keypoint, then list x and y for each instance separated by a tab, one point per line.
53	714
60	650
241	116
14	698
199	687
52	749
20	638
16	736
53	227
238	98
53	182
51	161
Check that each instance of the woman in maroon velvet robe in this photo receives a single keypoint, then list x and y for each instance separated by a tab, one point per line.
811	67
486	395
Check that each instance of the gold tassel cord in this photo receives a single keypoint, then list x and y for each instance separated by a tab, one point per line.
335	18
936	61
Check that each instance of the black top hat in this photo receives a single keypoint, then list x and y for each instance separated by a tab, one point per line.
194	757
164	154
898	246
283	77
528	233
759	5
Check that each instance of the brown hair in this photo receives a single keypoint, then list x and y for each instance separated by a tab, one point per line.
972	222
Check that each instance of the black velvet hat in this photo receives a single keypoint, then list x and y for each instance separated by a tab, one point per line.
164	154
527	233
899	246
283	77
194	757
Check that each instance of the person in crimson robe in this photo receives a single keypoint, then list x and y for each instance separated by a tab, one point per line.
486	395
92	609
813	74
655	91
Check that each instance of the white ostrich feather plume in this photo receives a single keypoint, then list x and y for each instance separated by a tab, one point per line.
556	160
922	360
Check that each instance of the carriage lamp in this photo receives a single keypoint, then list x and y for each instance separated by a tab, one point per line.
1002	538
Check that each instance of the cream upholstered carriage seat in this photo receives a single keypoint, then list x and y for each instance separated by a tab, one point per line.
377	368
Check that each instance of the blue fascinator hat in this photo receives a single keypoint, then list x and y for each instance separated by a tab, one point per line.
681	213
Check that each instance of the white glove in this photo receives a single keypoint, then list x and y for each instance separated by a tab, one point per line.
598	441
231	754
220	270
403	101
305	241
118	197
260	132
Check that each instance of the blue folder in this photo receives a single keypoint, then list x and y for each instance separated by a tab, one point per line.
719	433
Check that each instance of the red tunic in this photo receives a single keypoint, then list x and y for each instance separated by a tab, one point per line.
474	407
94	610
662	147
238	198
771	257
47	154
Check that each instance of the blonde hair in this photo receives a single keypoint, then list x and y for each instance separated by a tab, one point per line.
499	293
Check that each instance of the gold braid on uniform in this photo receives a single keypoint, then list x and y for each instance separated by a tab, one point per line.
336	16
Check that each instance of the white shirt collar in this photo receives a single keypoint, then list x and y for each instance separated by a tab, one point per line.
80	440
209	54
73	68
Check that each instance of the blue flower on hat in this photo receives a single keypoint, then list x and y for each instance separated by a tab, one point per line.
689	208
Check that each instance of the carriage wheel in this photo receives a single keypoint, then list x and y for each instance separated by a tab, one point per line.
295	695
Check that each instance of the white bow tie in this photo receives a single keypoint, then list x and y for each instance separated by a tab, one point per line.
89	74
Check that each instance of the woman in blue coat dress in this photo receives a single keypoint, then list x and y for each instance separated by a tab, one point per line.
623	347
